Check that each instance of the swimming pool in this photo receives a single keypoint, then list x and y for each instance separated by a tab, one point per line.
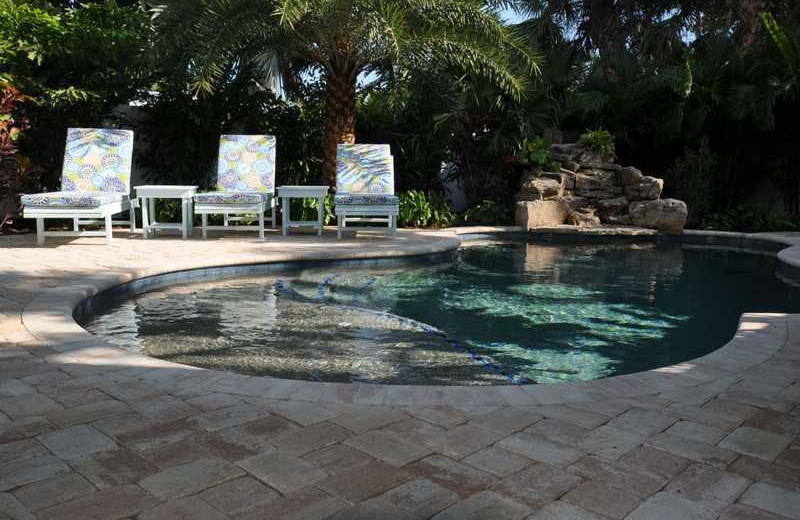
494	313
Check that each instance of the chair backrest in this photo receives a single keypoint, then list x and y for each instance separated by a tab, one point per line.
97	159
364	168
246	163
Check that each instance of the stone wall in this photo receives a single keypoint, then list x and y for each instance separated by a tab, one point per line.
589	191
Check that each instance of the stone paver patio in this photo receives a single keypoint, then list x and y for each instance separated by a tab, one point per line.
88	431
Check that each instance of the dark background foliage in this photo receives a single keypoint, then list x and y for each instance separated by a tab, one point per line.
698	92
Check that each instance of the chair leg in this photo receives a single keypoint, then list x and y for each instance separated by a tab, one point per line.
274	222
76	225
339	226
108	229
393	225
40	231
204	224
261	224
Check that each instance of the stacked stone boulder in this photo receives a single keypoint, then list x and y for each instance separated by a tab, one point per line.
589	191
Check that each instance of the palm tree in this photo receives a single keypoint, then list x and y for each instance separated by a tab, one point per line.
344	41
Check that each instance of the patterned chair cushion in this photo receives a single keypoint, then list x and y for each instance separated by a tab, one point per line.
364	169
357	198
97	160
246	163
229	197
73	199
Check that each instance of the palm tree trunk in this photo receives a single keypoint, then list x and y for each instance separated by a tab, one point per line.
340	125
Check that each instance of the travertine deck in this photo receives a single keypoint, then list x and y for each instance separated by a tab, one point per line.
91	431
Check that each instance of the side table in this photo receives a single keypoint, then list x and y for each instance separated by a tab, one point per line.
149	193
287	193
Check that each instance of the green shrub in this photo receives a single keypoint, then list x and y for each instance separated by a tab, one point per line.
599	142
488	212
750	219
306	209
420	209
535	155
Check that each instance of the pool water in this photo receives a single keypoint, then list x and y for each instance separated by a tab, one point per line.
498	313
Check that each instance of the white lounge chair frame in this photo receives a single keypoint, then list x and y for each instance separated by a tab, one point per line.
240	210
348	214
256	211
100	215
84	216
367	213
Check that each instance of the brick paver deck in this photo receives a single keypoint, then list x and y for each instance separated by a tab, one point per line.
91	431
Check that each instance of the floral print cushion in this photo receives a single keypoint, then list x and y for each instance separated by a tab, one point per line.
246	163
364	169
357	198
73	199
228	197
97	160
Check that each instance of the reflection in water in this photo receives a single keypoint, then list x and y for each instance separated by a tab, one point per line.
544	313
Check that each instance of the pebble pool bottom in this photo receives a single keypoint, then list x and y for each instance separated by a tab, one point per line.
498	313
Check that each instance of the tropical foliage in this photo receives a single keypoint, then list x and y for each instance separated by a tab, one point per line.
704	93
342	41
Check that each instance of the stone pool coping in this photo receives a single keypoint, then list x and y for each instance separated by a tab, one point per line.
760	336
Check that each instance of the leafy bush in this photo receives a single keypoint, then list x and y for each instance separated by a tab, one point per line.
418	209
750	219
488	212
535	156
306	209
599	142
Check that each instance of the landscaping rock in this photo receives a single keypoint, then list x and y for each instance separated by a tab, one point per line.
601	194
616	206
648	188
593	179
629	175
541	213
539	188
665	215
570	166
564	152
565	179
586	217
616	220
574	202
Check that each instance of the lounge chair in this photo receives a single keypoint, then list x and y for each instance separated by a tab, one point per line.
245	183
365	187
95	184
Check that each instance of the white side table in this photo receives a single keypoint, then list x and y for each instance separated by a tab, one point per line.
147	196
287	193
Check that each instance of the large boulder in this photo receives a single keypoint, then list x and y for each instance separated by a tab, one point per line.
615	206
574	202
594	180
566	179
666	215
570	166
600	194
585	217
541	213
564	152
539	188
629	175
616	220
648	188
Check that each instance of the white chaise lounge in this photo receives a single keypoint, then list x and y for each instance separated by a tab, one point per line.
365	187
95	185
245	183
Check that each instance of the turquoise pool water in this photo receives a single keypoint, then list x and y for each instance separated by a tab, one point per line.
499	313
